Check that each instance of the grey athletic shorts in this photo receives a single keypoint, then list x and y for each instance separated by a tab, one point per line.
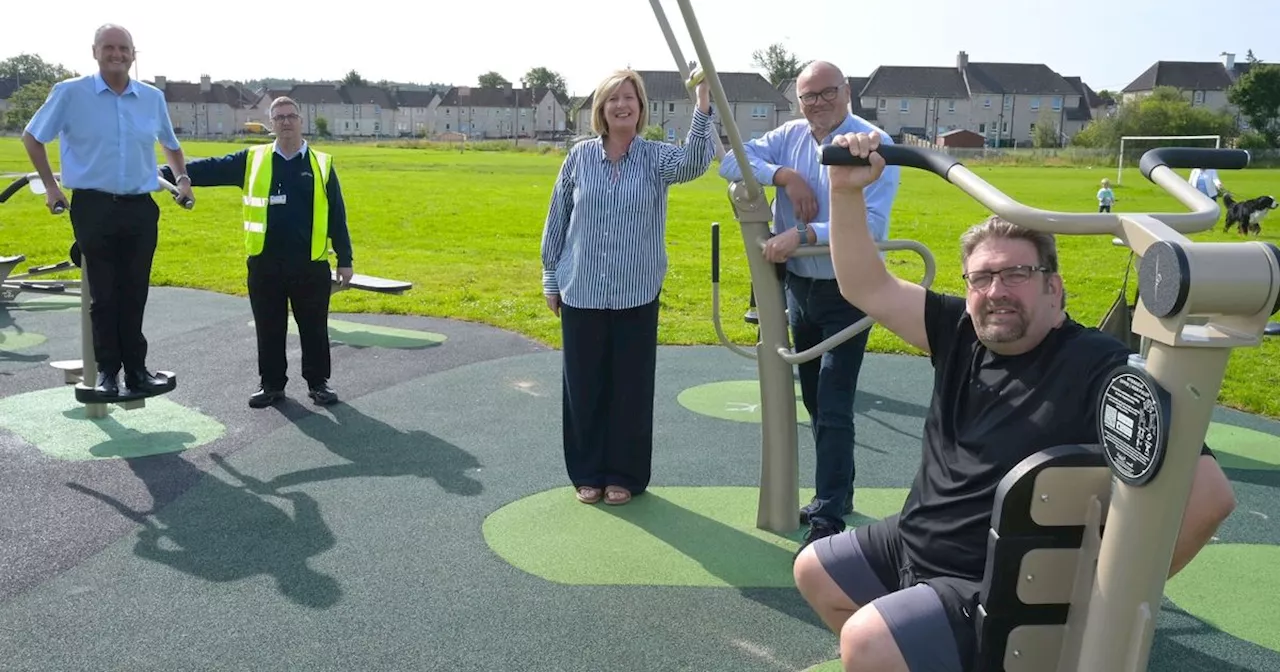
931	620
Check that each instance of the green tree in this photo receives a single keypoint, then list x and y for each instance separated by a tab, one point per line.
493	80
653	132
353	78
1257	95
544	78
778	63
322	127
1046	134
1164	112
23	104
26	68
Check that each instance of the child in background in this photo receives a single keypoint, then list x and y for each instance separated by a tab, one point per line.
1106	197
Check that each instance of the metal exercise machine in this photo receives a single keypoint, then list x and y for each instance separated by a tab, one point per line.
1082	537
11	284
779	497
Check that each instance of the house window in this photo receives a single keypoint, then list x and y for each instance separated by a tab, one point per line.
756	135
986	102
1057	103
671	107
1004	127
882	105
951	107
904	105
1008	103
671	135
982	128
759	112
655	106
1033	127
1035	103
1198	96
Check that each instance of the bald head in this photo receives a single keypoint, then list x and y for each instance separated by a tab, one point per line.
113	50
823	93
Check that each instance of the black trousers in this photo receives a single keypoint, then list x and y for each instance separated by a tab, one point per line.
275	287
117	238
609	366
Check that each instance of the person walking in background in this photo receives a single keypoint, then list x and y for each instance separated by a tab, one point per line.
604	261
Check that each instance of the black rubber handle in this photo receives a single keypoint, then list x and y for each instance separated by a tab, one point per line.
894	155
187	203
14	188
1193	157
715	253
59	207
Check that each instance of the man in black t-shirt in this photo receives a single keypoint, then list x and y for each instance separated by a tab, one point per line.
1013	375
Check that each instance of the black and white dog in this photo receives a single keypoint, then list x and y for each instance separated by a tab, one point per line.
1248	215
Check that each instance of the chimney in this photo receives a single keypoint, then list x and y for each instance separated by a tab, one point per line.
1229	61
160	82
962	61
205	85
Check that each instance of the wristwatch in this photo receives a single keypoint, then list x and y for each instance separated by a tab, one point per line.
804	233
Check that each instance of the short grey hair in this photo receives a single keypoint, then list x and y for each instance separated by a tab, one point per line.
282	100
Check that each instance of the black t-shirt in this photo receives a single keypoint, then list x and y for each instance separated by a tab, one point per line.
988	413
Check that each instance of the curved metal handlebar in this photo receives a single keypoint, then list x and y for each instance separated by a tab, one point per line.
930	270
60	207
14	188
1157	165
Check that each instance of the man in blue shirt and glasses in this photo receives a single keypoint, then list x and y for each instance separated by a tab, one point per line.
107	125
788	158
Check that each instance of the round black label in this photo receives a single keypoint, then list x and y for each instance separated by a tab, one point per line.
1132	424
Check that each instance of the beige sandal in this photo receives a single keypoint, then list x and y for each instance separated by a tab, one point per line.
588	494
615	495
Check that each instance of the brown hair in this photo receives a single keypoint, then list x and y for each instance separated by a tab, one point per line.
996	228
606	88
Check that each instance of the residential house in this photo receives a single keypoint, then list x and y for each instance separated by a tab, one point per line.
503	112
415	113
1000	101
1201	83
206	108
755	104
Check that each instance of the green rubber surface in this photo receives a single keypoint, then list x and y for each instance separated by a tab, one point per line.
361	335
1243	448
55	423
737	400
13	340
673	536
1222	588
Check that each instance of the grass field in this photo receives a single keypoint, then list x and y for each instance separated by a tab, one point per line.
465	229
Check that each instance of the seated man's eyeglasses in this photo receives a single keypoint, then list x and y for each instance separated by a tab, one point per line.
828	94
286	117
1010	277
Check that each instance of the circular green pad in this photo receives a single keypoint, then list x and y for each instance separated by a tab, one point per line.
13	339
361	335
737	400
1225	587
55	423
829	666
1243	448
669	536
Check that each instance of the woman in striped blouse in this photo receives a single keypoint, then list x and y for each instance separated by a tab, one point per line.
604	261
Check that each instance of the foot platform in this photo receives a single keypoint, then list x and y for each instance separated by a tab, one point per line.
1272	329
86	394
370	283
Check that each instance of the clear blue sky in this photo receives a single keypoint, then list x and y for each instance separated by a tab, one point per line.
1107	42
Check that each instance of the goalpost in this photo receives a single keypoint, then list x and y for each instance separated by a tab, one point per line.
1120	167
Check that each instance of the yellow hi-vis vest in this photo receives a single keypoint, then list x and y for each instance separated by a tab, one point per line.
257	194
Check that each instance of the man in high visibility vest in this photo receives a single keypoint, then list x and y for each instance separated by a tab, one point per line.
293	208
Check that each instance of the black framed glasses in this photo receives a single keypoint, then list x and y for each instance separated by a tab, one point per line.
285	117
1010	277
828	94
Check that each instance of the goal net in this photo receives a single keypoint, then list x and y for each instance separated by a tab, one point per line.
1146	139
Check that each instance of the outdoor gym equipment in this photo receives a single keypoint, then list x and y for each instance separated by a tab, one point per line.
779	495
1061	592
83	373
11	284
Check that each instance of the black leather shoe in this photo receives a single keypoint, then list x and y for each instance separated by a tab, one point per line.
264	398
808	509
144	381
322	394
107	384
818	528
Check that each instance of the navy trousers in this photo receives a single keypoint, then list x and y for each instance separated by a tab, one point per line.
828	384
609	366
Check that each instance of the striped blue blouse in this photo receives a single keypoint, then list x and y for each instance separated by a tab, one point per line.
604	244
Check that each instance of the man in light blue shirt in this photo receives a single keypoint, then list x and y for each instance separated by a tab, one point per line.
788	158
107	125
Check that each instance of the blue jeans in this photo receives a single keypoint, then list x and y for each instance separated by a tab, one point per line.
828	384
